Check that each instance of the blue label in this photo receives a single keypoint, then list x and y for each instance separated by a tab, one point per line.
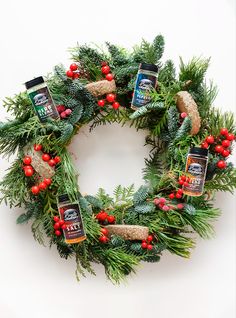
143	86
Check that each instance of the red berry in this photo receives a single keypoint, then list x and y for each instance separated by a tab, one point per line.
180	191
73	67
230	137
69	73
178	196
221	164
76	75
63	227
149	247
224	131
180	206
104	231
165	208
183	115
219	148
101	102
35	189
61	108
58	233
186	184
225	153
56	219
150	238
110	97
103	216
181	182
103	239
63	115
56	226
27	167
115	105
61	222
29	172
204	145
172	196
27	160
183	178
42	186
162	200
105	69
38	147
103	63
225	143
46	157
68	111
48	181
57	159
210	140
144	245
52	162
109	77
156	201
111	219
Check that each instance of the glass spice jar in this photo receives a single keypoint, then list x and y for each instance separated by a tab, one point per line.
41	99
196	167
71	215
146	81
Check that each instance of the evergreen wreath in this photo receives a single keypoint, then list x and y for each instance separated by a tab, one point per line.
132	226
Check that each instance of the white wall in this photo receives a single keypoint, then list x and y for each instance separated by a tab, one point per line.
34	281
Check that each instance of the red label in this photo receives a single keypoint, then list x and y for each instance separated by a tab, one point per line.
70	213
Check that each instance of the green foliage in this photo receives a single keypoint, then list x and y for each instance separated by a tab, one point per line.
141	195
168	137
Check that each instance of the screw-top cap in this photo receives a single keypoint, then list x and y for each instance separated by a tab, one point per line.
198	151
63	198
34	82
148	67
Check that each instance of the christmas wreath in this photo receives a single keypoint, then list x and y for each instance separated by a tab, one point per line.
190	139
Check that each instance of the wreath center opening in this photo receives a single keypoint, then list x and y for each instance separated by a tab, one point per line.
109	155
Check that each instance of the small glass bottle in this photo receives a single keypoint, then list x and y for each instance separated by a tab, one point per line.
41	99
145	82
70	213
196	167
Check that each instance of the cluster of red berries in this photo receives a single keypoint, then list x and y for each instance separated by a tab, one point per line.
46	157
161	203
104	235
42	186
63	111
147	244
106	71
220	145
58	225
28	169
110	98
104	218
73	72
183	181
164	205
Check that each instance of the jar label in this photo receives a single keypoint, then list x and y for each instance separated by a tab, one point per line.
196	171
70	213
143	86
43	104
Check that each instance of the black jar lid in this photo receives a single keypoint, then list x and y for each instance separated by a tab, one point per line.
198	151
148	67
63	198
34	82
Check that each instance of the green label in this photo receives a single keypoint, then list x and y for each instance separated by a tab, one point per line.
43	104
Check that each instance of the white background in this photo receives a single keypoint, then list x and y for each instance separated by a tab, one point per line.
34	281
